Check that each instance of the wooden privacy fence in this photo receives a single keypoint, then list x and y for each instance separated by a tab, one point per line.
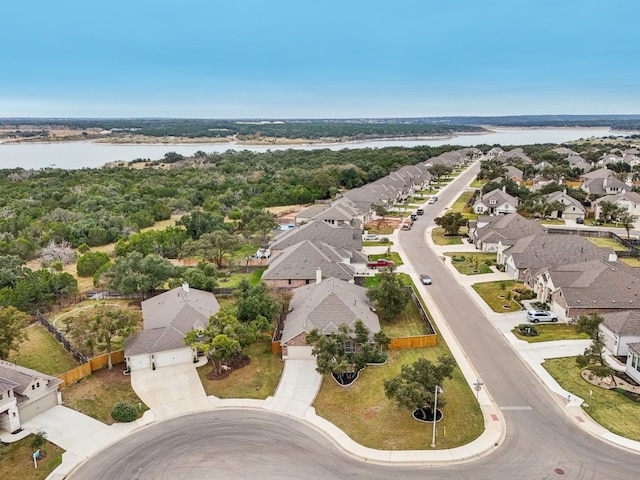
84	370
417	341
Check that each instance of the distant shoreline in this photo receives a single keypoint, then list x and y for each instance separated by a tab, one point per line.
278	141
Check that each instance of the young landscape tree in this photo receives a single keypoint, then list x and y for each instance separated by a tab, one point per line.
12	325
253	301
451	222
414	387
389	295
593	356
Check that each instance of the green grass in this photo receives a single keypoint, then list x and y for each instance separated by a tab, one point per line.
42	352
477	183
461	201
364	413
377	243
610	409
631	261
97	394
439	238
552	221
408	323
468	267
393	256
257	380
16	461
491	291
550	332
233	280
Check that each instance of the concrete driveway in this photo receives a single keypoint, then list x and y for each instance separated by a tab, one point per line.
298	387
79	434
170	391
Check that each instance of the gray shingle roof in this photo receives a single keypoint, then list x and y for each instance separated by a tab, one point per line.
300	262
22	377
549	250
168	317
327	305
598	284
507	228
625	323
338	236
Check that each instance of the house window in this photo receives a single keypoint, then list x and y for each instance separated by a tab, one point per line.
33	387
348	347
493	201
289	281
1	396
307	281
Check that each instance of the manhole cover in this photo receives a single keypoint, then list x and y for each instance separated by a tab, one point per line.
559	471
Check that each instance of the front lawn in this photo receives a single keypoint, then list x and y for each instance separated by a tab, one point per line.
16	461
257	380
550	332
611	409
393	256
365	414
42	352
472	263
439	238
408	323
461	201
97	394
499	295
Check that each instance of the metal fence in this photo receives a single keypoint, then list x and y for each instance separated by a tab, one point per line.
61	338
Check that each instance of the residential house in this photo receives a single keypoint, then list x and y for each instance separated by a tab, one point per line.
514	154
342	236
529	256
496	202
24	393
602	182
334	214
619	329
581	288
489	232
629	201
167	318
633	362
564	151
324	305
540	181
572	210
297	265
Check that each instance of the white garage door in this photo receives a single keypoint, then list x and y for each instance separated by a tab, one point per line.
299	353
173	357
137	362
27	412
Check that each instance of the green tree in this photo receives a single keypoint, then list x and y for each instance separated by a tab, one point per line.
414	387
38	440
12	269
389	295
12	325
451	222
102	326
203	276
253	301
89	263
608	211
136	273
198	222
213	246
626	219
593	356
439	170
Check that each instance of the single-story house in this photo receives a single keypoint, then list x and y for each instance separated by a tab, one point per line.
572	210
324	305
633	362
619	329
488	233
167	319
25	393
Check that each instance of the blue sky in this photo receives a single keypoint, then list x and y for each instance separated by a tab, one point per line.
318	59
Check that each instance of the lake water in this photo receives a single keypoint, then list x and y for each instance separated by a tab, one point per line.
75	155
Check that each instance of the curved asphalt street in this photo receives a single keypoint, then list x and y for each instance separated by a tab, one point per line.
541	441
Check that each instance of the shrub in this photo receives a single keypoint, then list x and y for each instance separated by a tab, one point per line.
384	240
124	412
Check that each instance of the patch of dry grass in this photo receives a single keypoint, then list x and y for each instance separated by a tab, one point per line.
42	352
16	461
365	414
257	380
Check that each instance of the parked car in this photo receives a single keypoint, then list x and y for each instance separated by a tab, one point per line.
536	316
580	221
433	199
406	226
371	237
420	211
425	279
414	216
380	263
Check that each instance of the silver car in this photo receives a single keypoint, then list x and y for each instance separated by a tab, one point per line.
536	316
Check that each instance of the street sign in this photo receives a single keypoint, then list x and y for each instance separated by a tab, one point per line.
478	386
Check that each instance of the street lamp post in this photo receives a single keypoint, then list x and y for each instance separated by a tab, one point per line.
435	409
